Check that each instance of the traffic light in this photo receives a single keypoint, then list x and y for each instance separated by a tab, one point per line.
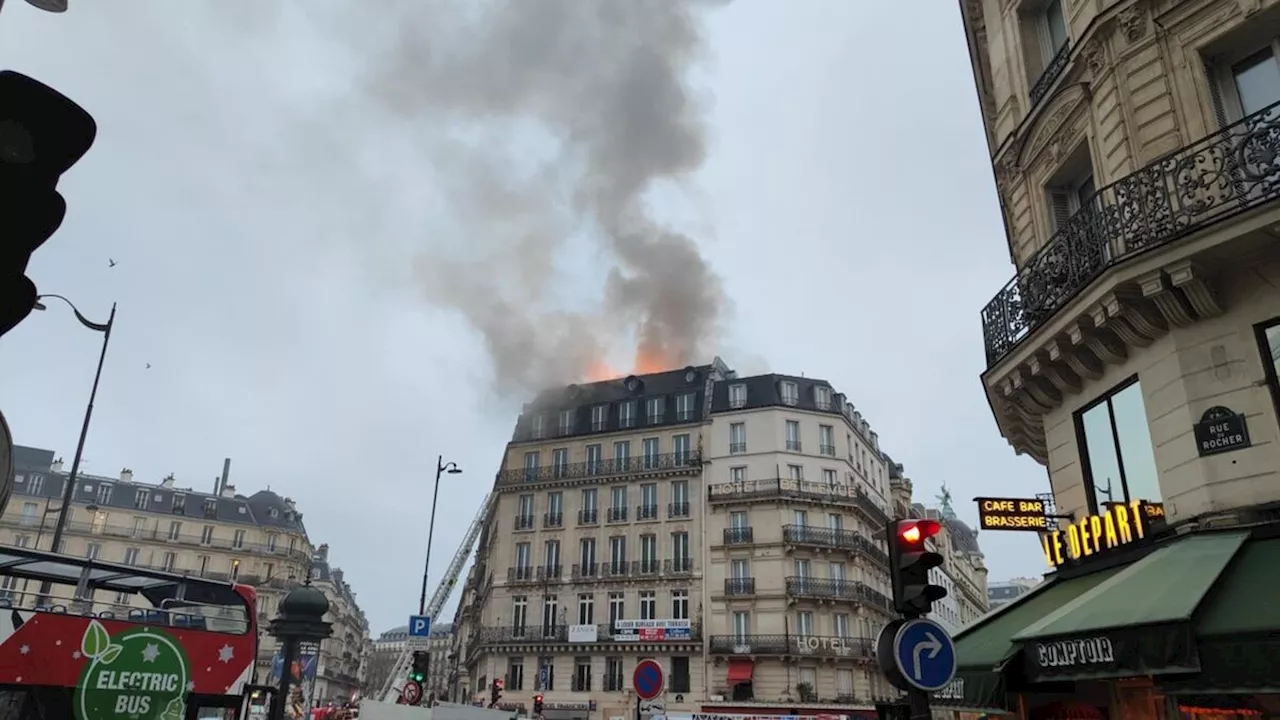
421	666
909	565
537	704
42	134
495	692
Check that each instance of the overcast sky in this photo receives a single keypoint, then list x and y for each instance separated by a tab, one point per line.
261	213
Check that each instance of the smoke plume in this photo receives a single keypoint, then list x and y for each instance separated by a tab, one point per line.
549	123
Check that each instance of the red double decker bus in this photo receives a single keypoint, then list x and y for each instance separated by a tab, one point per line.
94	640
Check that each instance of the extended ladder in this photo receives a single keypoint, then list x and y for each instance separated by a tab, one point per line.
400	671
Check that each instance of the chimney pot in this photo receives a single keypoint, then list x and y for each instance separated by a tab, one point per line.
167	482
228	491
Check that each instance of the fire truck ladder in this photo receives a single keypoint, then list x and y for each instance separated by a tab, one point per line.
400	671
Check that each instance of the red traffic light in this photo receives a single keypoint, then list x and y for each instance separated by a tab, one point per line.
915	532
537	698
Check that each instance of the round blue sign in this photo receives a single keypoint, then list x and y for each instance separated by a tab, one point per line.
925	654
647	680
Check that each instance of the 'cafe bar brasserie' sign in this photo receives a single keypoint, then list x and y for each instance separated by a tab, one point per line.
1011	514
1121	524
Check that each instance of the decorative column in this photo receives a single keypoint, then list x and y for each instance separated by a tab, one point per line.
301	619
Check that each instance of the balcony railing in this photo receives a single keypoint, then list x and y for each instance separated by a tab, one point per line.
678	510
1229	172
157	535
552	520
851	590
617	514
833	538
667	462
647	512
548	634
1051	73
739	536
794	646
589	517
523	522
739	586
799	490
677	566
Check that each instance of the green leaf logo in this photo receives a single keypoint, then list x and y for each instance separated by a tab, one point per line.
173	711
111	653
95	640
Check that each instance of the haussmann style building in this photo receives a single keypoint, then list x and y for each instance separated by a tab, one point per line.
729	527
1136	151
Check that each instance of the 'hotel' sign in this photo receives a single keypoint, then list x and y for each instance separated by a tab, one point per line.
1121	524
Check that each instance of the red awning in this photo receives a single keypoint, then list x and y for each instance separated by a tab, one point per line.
740	671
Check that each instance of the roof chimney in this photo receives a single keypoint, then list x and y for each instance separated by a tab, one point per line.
56	466
167	482
126	475
226	472
228	491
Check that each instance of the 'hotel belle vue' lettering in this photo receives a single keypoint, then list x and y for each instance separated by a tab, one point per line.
1121	524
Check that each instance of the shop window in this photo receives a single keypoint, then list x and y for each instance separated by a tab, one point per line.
1269	345
1115	448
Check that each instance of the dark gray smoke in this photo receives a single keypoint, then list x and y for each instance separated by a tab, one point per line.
600	90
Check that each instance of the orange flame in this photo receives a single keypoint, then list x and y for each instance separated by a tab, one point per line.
650	362
599	370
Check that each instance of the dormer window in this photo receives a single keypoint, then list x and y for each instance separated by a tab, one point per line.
627	414
566	422
599	418
141	498
539	427
790	393
822	397
273	513
210	508
737	396
180	504
655	410
104	494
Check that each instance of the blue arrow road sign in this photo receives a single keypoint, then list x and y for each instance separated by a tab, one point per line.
419	625
925	654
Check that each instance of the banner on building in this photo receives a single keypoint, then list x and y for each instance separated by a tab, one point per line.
652	630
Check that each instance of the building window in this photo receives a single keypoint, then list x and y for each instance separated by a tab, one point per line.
679	604
793	436
738	437
844	684
613	674
681	561
560	462
737	396
648	605
685	405
566	422
531	462
104	494
804	624
627	414
206	534
1256	80
790	393
741	626
1115	446
1269	344
93	550
648	554
175	530
840	625
808	685
618	555
655	410
617	608
828	477
1053	29
599	418
22	541
519	614
679	674
524	558
827	440
237	541
35	484
738	474
179	504
140	498
539	427
595	459
586	609
795	472
169	560
546	673
650	447
582	674
273	541
622	454
550	606
515	673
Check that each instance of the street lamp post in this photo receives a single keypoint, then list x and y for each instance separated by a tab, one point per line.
53	6
441	468
68	491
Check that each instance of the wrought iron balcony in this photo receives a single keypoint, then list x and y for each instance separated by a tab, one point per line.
614	569
549	572
585	571
552	520
1051	73
827	588
617	514
523	633
678	510
645	567
647	464
520	574
799	490
739	586
1234	170
677	566
523	522
828	450
646	512
739	536
833	538
794	645
589	517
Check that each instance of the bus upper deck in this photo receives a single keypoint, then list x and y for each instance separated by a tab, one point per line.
108	640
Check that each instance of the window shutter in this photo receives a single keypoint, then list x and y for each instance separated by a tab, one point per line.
1214	75
1059	208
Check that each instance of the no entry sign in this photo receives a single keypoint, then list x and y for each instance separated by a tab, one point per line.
648	679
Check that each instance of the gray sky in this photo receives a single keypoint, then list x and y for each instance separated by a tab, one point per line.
274	228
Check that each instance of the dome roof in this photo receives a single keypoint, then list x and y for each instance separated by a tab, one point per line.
304	601
962	536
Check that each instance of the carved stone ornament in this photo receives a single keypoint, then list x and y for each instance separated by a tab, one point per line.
1054	151
1007	167
1132	22
1095	58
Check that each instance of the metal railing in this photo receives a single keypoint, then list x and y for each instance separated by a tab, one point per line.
668	462
739	586
739	536
799	490
834	538
793	645
827	588
1052	71
678	510
1224	174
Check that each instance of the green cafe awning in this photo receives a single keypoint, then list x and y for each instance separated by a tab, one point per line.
984	646
1138	621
